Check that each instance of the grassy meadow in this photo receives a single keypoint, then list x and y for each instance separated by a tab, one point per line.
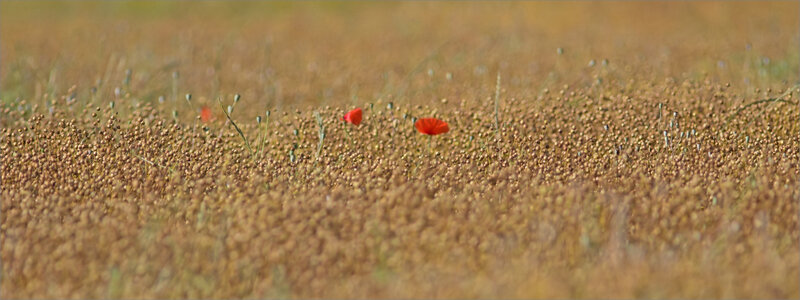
596	150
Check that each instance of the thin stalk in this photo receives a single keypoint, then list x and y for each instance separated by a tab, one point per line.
259	140
175	76
775	99
347	131
321	134
430	144
264	136
241	134
496	105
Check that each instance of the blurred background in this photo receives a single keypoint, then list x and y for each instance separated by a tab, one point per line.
311	53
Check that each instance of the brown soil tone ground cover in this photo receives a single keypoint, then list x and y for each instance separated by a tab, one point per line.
622	159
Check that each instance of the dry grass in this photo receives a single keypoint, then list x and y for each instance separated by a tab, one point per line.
634	176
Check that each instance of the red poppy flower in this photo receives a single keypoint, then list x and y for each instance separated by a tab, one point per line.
205	114
431	126
353	117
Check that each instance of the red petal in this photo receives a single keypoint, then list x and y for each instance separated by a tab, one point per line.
205	114
353	116
431	126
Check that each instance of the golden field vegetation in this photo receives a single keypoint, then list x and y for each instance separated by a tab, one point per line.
616	155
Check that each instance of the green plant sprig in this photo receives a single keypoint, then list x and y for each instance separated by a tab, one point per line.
241	134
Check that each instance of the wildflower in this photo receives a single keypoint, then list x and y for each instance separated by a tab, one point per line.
353	117
431	126
205	114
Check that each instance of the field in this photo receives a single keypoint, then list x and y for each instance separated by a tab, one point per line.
595	150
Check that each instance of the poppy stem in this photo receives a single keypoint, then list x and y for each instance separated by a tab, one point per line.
346	131
430	143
